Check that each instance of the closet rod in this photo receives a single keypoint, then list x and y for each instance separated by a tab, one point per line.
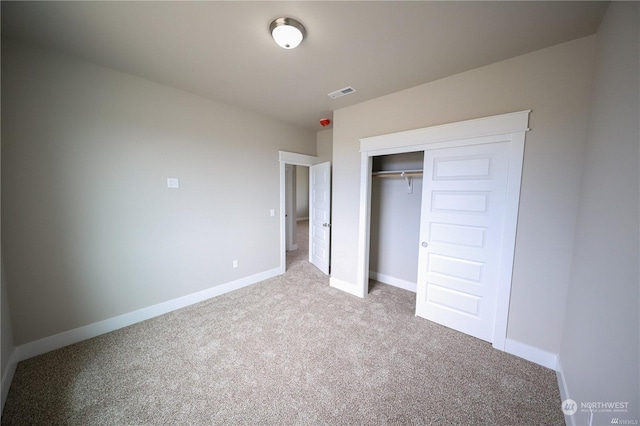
408	175
398	173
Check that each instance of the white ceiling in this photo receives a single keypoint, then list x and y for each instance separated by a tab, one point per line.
223	50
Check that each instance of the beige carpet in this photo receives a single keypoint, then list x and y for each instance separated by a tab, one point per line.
290	350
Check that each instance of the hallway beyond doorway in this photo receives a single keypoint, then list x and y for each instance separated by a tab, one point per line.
301	254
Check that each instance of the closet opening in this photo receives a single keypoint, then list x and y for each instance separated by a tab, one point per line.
468	217
396	199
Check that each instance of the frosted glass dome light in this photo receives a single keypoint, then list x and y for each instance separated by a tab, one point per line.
287	32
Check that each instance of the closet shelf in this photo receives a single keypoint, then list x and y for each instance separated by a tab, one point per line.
398	173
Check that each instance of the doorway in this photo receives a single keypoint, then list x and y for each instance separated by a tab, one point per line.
296	213
319	208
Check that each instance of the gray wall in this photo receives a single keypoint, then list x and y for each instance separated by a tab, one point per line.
556	84
600	348
7	345
90	230
324	143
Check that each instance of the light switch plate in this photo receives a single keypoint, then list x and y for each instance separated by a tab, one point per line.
173	183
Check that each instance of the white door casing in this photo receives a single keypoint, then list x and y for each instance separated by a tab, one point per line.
510	128
320	215
461	229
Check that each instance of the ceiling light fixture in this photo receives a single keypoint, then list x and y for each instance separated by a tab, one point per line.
287	32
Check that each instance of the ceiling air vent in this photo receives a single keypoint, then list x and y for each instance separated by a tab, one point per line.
338	93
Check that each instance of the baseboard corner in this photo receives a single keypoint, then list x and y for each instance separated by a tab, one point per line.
7	377
564	390
531	353
395	282
562	383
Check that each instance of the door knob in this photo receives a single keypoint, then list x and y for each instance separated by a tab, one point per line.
326	225
425	244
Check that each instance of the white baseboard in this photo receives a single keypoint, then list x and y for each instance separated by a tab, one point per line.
564	392
562	384
7	377
292	247
57	341
531	353
345	286
396	282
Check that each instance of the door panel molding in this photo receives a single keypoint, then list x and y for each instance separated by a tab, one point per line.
457	285
320	215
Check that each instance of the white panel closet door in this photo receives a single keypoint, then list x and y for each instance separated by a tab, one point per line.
320	215
461	232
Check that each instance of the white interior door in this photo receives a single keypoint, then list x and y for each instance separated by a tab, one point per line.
461	232
320	215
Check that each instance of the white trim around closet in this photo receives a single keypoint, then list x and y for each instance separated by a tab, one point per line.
471	132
